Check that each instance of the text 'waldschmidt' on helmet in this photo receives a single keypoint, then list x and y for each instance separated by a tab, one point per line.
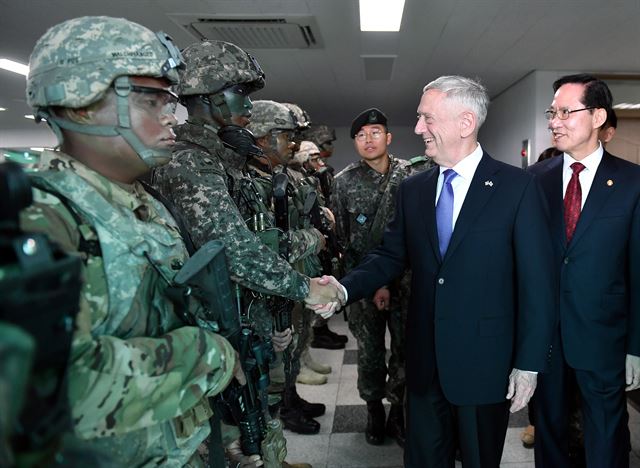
270	115
75	62
213	66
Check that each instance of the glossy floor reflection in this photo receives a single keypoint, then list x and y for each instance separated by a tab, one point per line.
341	444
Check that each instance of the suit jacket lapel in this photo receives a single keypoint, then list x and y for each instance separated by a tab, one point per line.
477	196
428	201
598	194
551	184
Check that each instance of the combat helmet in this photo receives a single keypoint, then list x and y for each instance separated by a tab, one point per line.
307	148
302	118
75	62
213	66
270	115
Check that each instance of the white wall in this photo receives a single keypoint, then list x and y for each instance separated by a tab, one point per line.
405	144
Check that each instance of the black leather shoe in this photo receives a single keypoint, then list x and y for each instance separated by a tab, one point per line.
374	434
294	420
325	330
395	424
326	342
310	410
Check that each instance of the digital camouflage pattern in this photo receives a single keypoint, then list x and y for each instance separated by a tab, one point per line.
213	66
363	202
136	374
64	71
320	134
307	148
270	115
302	118
206	181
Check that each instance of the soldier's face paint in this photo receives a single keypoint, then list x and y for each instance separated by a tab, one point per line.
238	101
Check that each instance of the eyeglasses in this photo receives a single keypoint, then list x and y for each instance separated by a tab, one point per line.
563	114
374	134
155	100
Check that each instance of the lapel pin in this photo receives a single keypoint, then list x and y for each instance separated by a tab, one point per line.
609	182
489	183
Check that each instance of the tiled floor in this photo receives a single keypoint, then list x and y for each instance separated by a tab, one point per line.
341	444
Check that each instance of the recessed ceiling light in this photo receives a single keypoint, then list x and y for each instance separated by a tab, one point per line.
15	67
381	15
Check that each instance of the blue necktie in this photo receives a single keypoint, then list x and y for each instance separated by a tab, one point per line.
444	211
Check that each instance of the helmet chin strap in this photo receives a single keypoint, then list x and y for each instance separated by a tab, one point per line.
152	157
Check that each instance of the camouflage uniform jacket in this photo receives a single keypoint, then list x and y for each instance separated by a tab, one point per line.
356	204
303	240
132	365
205	180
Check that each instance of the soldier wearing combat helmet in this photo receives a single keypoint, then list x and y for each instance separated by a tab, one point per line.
104	87
207	180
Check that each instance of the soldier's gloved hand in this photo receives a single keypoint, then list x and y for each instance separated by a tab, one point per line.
237	459
237	370
522	384
633	372
382	298
328	214
281	340
322	241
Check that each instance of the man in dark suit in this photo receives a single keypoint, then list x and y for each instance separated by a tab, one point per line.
482	303
594	210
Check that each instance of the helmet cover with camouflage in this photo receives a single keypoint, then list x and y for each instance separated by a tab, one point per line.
213	66
320	134
307	148
270	115
302	118
75	62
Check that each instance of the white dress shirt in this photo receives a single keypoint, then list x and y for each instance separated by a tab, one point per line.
586	176
461	183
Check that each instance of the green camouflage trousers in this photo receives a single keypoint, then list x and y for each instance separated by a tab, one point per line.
368	326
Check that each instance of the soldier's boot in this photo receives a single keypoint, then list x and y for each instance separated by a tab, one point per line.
395	424
294	419
310	410
374	433
308	377
314	365
326	339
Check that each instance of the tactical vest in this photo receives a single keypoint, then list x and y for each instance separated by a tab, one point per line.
125	242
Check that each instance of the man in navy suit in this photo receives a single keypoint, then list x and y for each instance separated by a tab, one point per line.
483	303
594	208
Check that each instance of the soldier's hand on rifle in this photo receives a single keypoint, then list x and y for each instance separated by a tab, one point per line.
322	241
237	459
328	214
281	340
382	298
237	370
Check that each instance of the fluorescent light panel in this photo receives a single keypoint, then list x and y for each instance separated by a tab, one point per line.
2	109
381	15
15	67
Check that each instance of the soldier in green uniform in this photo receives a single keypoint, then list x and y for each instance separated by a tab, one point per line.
363	201
274	126
138	379
207	179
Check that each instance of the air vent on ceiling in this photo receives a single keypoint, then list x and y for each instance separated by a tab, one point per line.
282	32
378	67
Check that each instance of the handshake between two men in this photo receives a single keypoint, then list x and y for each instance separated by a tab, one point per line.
326	296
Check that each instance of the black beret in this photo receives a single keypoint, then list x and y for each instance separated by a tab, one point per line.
368	117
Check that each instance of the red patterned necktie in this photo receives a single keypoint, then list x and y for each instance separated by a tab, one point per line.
573	201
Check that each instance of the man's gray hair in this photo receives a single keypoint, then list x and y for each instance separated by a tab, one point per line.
470	93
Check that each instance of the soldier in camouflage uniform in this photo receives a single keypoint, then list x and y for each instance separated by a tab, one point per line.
363	201
274	126
138	379
207	178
